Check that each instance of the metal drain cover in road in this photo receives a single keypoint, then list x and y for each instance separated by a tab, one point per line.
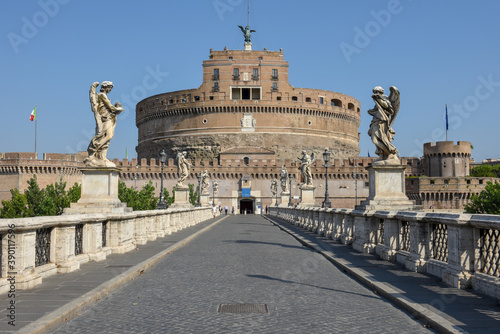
242	308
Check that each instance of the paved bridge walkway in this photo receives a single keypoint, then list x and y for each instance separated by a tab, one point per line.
248	264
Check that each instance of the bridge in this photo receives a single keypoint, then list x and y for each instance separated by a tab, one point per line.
279	273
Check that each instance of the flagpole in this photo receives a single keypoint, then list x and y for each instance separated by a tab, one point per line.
446	106
36	121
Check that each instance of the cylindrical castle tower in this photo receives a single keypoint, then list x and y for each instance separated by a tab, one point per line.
246	101
445	159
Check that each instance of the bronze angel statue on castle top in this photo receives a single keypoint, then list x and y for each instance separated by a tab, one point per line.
384	113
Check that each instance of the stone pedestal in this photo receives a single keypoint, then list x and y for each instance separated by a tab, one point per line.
285	198
99	192
248	46
205	199
181	197
307	196
387	189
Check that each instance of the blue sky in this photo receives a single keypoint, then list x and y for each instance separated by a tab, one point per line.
435	52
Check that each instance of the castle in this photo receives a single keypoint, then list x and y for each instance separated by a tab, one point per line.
242	125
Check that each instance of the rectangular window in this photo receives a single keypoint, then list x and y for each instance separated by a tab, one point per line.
245	93
275	87
216	71
236	72
275	74
255	75
321	100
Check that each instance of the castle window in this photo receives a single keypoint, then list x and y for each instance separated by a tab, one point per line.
350	106
336	103
468	181
308	99
480	181
321	100
274	88
278	98
255	75
446	181
216	87
246	161
431	181
211	97
230	58
236	74
196	98
170	101
275	74
245	93
204	121
309	123
260	58
216	74
294	98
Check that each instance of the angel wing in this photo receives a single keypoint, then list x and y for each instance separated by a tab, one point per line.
94	101
242	29
394	98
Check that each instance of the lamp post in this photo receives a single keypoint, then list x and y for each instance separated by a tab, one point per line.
199	191
214	191
163	158
290	177
326	158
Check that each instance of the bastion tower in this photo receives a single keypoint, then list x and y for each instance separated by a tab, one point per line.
246	102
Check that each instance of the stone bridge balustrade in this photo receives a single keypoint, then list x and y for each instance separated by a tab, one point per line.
44	246
462	249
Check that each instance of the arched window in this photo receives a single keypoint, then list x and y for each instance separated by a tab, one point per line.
246	161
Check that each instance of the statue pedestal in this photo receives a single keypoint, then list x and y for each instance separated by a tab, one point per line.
181	197
204	199
307	196
387	189
248	46
285	198
99	192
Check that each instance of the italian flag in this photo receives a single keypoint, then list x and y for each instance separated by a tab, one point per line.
33	115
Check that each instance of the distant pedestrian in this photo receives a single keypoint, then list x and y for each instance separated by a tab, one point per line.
214	210
267	210
232	211
226	208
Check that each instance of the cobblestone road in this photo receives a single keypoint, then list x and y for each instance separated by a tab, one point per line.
244	259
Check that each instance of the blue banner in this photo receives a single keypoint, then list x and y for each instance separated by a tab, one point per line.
245	192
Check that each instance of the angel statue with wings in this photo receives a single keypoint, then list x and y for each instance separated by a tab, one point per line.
305	168
105	119
183	168
247	33
384	113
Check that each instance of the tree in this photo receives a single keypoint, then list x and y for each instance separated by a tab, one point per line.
488	201
50	201
485	171
15	207
193	195
138	200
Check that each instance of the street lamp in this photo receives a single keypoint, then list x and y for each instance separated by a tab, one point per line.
163	158
290	177
214	190
326	158
199	191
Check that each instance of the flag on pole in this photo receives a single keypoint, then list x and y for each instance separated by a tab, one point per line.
368	154
33	115
446	117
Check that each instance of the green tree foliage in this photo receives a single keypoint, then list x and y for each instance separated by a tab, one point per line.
193	195
138	200
50	201
15	207
486	171
167	198
488	201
